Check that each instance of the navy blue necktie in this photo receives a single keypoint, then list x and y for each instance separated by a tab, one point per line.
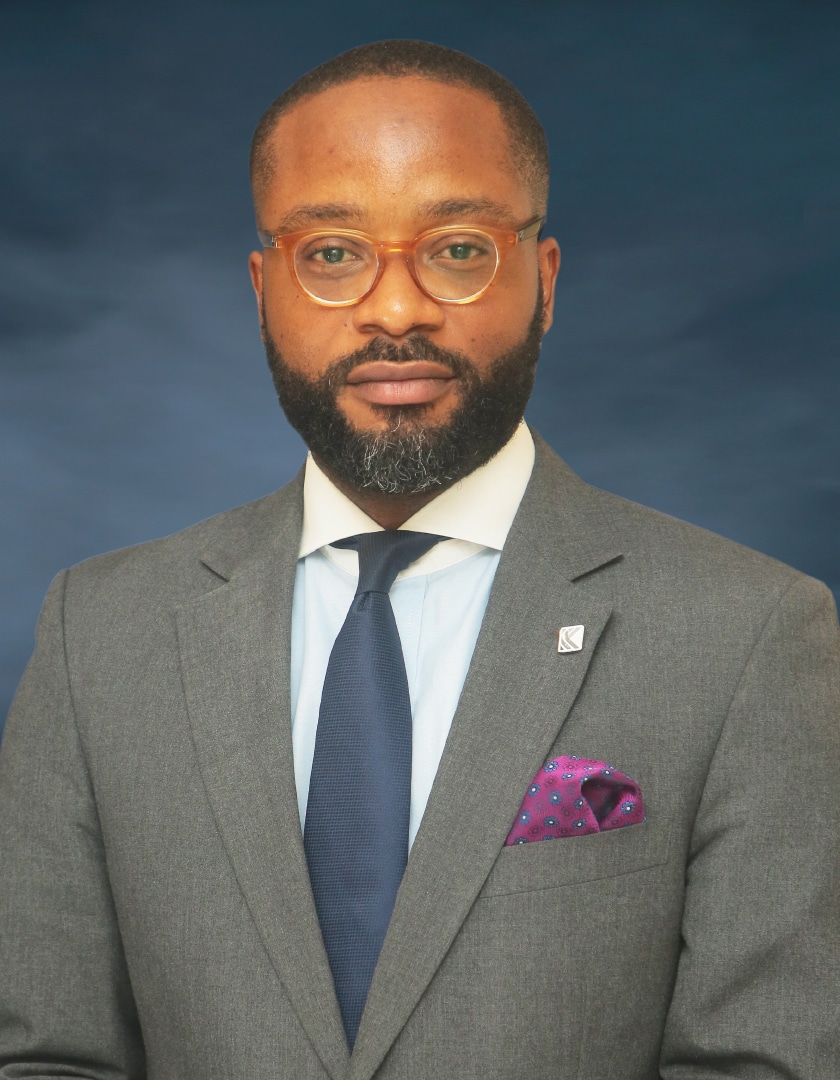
356	831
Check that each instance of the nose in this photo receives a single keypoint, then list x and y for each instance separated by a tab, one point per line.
397	306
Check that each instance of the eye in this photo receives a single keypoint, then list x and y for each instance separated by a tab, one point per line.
456	250
461	251
332	255
332	250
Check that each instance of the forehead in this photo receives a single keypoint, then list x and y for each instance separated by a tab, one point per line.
391	147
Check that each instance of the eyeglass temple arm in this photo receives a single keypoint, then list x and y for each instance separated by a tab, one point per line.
530	230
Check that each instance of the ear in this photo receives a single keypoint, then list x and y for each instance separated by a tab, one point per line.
548	254
255	269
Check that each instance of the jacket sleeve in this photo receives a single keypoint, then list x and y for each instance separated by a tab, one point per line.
66	1007
758	983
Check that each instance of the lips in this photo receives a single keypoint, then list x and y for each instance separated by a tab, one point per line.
412	382
386	371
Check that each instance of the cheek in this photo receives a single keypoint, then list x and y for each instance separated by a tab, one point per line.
501	318
307	335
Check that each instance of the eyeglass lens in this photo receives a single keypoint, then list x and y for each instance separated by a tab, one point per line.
450	266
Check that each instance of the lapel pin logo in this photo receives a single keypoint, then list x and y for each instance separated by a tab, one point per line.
570	639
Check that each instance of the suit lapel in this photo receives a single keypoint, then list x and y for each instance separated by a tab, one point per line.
516	698
235	656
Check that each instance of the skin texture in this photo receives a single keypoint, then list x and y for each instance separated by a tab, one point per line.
393	157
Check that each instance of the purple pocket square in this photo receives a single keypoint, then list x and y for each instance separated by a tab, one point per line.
574	795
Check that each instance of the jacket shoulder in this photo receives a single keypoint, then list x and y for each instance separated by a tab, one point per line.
191	560
659	550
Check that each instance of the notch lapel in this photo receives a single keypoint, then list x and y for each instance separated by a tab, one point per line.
517	696
235	657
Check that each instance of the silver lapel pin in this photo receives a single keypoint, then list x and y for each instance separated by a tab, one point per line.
570	639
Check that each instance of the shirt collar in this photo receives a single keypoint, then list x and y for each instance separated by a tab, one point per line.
478	509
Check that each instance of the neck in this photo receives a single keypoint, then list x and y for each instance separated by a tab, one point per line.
389	511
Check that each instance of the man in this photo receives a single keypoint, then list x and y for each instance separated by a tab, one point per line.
177	766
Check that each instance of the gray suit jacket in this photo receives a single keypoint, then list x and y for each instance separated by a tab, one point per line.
155	911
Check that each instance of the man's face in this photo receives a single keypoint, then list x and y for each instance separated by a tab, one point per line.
392	158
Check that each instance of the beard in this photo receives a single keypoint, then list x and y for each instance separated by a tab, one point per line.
409	456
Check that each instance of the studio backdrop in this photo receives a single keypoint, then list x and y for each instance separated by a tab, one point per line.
693	364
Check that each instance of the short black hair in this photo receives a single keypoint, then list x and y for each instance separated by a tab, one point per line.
398	58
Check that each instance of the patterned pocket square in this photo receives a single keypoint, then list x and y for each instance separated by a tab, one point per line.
573	795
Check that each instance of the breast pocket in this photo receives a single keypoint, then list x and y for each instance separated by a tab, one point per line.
551	864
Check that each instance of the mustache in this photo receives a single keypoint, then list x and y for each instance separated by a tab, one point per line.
415	347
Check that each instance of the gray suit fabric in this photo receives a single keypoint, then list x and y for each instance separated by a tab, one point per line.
156	918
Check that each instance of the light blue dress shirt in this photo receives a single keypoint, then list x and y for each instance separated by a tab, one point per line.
438	603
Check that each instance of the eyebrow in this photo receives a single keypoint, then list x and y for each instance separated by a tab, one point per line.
301	216
454	208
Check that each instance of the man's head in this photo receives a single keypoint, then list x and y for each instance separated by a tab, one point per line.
402	388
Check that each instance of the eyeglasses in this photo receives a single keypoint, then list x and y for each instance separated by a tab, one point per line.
454	264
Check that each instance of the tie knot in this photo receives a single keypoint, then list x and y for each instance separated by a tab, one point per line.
383	554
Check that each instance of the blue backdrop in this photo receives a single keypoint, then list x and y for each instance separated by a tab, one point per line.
693	363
